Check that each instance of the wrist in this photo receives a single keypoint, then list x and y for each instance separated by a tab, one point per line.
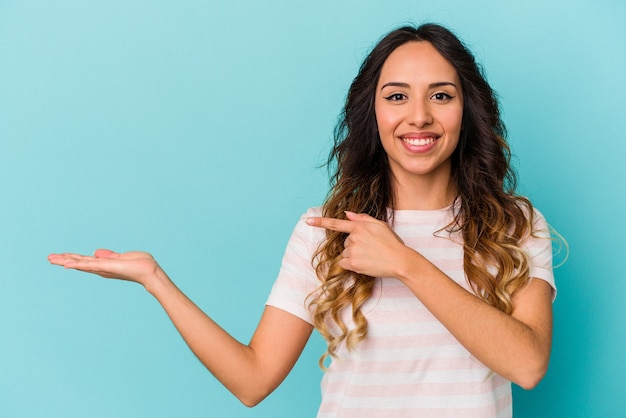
157	282
410	265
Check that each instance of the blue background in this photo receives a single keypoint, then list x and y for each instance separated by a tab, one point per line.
193	130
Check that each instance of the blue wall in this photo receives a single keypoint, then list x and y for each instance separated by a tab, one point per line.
193	130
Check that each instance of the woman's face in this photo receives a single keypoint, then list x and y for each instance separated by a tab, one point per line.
419	110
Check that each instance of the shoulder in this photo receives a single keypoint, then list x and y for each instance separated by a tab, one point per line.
538	226
314	211
305	236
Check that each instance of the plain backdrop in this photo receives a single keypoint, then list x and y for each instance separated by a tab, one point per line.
194	130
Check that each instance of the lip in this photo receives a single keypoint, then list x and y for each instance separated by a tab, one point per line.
419	136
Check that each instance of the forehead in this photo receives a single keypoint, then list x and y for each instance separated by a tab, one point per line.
416	62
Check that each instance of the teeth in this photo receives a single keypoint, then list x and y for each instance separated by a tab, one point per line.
419	142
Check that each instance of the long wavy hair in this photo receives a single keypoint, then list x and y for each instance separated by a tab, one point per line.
491	218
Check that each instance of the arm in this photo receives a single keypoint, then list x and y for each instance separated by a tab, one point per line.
250	372
516	346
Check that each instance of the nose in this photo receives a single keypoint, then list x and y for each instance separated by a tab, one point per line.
420	114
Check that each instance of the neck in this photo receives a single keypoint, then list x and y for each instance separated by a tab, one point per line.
423	193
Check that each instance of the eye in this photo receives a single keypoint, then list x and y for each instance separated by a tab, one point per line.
441	97
396	97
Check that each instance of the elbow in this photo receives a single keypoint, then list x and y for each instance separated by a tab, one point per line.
252	397
529	377
529	383
250	402
252	389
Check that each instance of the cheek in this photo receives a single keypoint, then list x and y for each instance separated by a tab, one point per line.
453	122
386	121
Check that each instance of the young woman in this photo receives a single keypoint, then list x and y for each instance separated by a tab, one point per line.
429	278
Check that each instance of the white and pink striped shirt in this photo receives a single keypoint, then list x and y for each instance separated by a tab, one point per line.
409	365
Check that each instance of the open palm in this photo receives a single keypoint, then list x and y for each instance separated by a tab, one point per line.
136	266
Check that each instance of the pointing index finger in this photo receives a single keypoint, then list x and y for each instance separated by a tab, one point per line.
333	224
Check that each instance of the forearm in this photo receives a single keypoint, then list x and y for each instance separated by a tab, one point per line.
231	362
250	371
514	349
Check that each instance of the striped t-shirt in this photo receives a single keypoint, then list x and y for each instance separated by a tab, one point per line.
409	365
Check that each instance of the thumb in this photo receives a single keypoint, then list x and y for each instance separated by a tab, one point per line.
103	253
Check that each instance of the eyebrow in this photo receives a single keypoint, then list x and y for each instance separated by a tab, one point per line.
406	85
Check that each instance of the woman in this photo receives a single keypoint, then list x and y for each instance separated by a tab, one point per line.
429	278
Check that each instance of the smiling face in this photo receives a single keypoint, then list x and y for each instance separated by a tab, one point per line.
419	111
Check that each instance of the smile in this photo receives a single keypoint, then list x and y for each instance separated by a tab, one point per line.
419	142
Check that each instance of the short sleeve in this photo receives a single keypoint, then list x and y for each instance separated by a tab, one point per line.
539	249
297	278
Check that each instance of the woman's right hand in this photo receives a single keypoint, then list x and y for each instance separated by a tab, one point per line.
135	266
250	371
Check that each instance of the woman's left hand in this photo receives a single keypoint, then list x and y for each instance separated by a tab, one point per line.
371	248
